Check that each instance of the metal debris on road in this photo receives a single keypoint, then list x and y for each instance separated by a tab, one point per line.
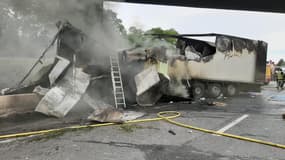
61	98
113	115
171	132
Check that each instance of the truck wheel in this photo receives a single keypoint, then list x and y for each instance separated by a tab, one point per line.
215	90
198	90
231	90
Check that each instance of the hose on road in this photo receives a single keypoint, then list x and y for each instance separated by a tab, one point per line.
166	116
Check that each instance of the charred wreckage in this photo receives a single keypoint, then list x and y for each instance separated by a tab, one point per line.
193	69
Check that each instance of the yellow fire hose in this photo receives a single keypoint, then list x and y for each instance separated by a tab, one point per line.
161	116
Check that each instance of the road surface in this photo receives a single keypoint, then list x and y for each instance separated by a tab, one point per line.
251	115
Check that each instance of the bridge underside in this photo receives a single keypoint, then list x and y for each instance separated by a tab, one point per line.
249	5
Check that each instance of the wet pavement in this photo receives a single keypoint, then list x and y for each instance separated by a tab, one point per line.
249	114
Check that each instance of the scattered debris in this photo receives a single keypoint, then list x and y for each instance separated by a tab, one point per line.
113	115
212	102
130	127
107	115
40	90
220	104
131	115
171	132
163	72
61	98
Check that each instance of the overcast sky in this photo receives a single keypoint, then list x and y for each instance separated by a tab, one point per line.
269	27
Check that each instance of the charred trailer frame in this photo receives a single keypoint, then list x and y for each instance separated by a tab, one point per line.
228	65
237	64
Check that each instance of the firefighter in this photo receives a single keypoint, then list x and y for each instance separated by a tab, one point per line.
280	80
283	74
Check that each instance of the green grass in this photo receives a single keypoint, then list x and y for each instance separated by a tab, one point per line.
130	127
55	134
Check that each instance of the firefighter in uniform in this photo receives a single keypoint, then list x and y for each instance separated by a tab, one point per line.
280	80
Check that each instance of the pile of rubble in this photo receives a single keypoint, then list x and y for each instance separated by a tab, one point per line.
64	83
79	73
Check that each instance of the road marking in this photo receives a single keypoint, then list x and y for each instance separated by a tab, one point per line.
15	139
233	123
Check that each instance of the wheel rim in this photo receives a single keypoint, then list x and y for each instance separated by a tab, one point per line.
231	90
216	91
198	91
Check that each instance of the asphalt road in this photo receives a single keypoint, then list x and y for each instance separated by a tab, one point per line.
249	115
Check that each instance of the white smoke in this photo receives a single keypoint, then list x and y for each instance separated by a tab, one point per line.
28	25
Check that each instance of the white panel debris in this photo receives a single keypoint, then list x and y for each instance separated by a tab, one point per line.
111	114
57	70
40	90
61	98
146	79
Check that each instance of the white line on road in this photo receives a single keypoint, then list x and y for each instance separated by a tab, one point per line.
233	123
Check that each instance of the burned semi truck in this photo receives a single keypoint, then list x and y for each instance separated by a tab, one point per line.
206	69
192	68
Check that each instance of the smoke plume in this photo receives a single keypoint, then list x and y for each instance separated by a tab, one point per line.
27	26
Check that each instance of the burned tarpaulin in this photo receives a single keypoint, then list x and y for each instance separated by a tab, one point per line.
203	49
227	44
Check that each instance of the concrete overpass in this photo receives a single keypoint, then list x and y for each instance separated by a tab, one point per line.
249	5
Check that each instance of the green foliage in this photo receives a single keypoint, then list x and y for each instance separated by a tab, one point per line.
138	37
158	30
130	127
281	62
116	22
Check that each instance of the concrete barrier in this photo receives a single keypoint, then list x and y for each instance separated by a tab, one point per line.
18	103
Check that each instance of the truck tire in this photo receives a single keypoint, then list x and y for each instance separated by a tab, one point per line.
214	90
198	90
231	90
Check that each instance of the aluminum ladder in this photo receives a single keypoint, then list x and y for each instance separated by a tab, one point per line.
118	89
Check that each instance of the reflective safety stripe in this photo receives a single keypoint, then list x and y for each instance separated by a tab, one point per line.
279	75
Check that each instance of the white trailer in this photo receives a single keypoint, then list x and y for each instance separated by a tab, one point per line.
228	65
